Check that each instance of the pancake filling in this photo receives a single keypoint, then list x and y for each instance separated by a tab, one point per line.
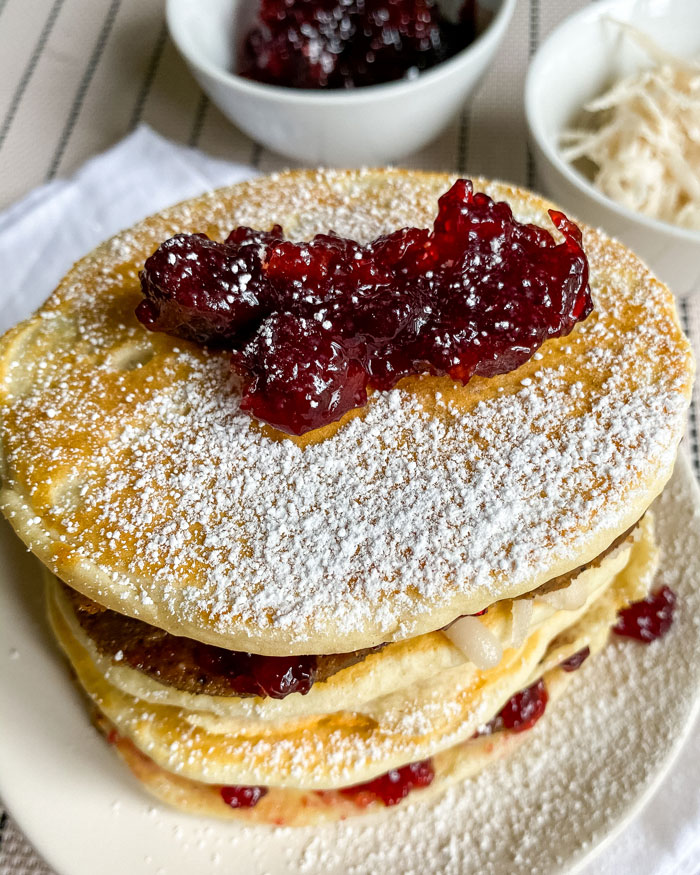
198	668
520	713
576	661
645	620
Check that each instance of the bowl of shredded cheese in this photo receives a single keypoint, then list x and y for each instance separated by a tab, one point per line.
613	106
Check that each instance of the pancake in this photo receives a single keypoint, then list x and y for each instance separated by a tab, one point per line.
334	738
284	807
130	471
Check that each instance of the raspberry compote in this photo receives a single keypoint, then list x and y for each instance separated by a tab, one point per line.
576	660
198	288
389	788
273	676
312	326
393	786
240	796
648	619
520	712
350	43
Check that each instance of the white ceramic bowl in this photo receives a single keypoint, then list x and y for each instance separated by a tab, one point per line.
364	126
576	62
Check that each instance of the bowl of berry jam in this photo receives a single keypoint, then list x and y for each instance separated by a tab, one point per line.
339	82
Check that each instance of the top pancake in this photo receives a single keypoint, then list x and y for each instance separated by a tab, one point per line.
130	471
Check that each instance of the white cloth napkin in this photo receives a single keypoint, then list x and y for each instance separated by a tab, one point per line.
42	235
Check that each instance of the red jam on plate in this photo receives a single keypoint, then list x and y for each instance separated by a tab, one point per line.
648	619
312	326
350	43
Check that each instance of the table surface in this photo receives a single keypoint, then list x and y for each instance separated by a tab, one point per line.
78	76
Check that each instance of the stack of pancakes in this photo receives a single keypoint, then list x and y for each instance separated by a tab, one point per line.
171	524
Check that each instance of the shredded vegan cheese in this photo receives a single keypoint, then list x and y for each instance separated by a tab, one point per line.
643	138
476	642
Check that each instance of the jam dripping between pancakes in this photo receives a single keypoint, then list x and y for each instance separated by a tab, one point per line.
313	326
520	713
198	668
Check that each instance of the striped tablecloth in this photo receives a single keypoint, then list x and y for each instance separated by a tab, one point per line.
77	76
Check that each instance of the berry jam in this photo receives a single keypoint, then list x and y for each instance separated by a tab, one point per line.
274	676
648	619
525	708
520	712
394	786
350	43
576	660
239	796
197	288
312	326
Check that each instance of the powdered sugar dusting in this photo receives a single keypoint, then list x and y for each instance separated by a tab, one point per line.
421	503
300	531
585	765
582	768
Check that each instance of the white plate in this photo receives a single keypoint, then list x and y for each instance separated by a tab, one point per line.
584	771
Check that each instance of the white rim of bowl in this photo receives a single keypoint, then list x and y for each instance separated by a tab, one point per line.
595	12
492	34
